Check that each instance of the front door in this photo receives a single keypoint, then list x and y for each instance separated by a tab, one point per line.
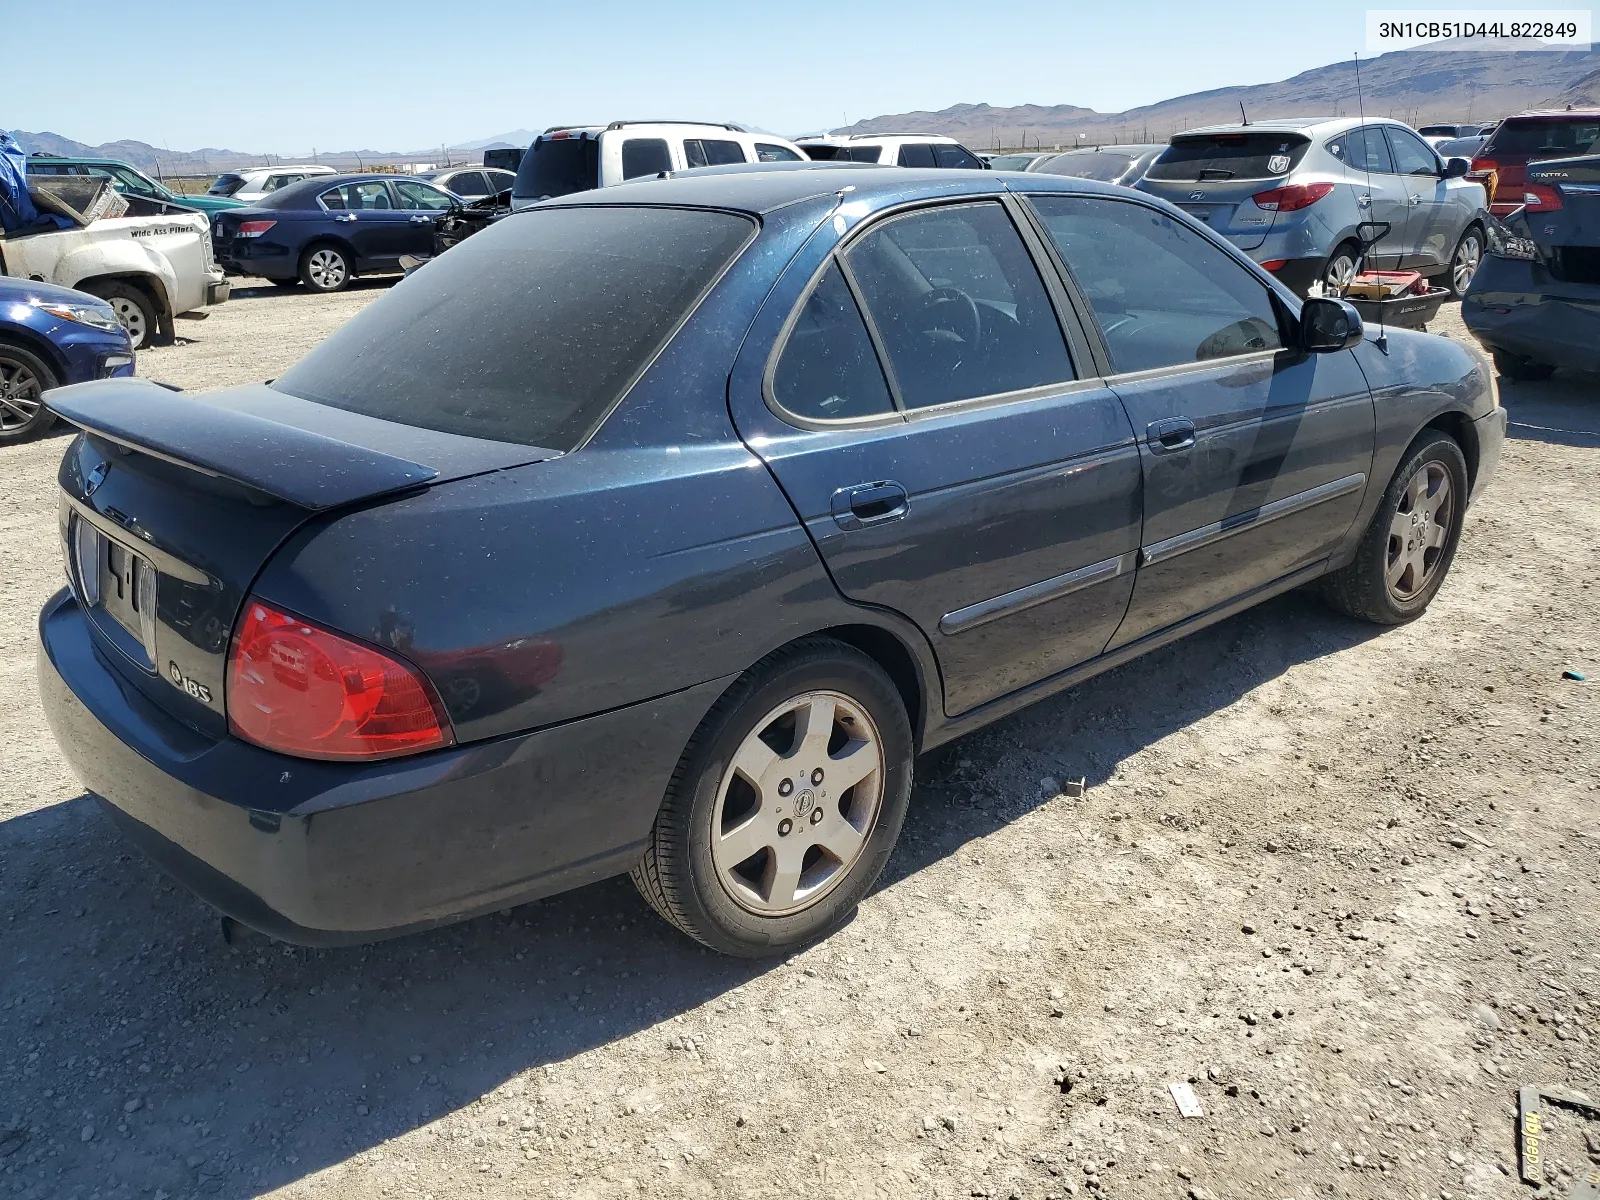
1430	235
945	454
1255	456
422	204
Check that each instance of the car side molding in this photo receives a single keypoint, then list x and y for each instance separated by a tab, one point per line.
981	613
1206	535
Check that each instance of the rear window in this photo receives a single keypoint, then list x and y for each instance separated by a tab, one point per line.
1104	165
1208	158
1545	137
558	167
225	185
768	152
529	331
866	154
1446	131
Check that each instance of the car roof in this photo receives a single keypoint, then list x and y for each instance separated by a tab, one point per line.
763	191
1121	148
1290	125
867	139
1580	113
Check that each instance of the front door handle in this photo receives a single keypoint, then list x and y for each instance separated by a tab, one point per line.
869	504
1416	199
1174	433
422	220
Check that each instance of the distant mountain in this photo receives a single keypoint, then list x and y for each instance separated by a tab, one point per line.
521	138
1415	86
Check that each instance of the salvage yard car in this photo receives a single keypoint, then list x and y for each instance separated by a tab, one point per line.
1299	196
127	180
1536	302
566	159
249	186
1109	164
1529	137
659	529
50	336
893	149
325	230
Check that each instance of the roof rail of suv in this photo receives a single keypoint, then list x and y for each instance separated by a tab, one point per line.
708	124
854	136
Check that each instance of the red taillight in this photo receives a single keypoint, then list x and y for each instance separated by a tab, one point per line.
1274	264
253	228
1291	197
1538	198
302	690
1482	166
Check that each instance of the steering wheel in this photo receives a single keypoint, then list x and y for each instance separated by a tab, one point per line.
948	304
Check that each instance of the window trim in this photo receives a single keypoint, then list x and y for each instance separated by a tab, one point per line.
1078	344
1287	315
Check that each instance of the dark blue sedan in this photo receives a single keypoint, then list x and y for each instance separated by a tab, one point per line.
659	528
50	336
326	230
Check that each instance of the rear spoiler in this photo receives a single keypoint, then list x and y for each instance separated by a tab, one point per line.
288	463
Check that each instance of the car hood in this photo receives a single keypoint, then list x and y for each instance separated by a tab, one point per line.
21	291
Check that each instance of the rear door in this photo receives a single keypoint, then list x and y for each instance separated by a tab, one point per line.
366	216
1255	457
1381	197
947	455
1213	176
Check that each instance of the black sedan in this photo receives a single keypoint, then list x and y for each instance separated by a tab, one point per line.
1535	301
326	230
658	529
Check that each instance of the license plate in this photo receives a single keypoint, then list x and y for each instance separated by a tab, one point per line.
121	578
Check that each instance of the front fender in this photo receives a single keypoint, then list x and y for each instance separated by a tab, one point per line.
123	258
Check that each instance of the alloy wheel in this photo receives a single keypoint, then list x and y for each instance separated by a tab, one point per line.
326	268
797	803
131	317
1420	531
1341	269
21	396
1465	264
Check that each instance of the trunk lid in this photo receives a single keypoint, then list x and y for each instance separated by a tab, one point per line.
171	505
1568	237
1212	176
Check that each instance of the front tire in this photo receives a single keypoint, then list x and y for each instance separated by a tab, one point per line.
24	378
325	268
136	312
1521	368
786	804
1411	542
1465	261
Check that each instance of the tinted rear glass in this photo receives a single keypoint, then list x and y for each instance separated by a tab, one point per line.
1206	158
529	331
226	185
558	167
645	156
1545	137
1105	165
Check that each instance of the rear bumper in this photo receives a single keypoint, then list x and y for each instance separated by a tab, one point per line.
335	853
1515	307
1298	274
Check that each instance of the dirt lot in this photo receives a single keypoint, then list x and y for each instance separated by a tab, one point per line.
1344	882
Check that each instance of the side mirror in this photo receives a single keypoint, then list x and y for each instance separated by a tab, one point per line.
1327	325
1456	168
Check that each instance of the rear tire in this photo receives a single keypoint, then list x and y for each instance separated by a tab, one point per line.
136	312
785	805
1339	269
1521	368
24	378
326	267
1409	546
1464	262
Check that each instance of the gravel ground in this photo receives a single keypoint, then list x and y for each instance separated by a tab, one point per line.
1345	882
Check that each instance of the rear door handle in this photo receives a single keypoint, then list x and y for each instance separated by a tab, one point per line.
869	504
1174	433
344	217
422	220
1416	200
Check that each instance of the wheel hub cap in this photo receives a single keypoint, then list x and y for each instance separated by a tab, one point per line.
1420	531
797	803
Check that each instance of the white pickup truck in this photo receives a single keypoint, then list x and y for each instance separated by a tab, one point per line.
150	268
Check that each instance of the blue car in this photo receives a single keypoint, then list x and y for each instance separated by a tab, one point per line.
324	231
51	336
658	528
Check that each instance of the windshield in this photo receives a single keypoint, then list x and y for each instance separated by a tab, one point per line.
225	185
1206	158
1545	137
1105	165
558	167
529	331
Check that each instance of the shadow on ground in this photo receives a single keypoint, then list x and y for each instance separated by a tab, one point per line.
200	1068
1564	410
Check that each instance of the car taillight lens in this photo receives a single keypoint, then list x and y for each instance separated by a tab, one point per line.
301	690
1539	198
1292	196
253	228
1274	264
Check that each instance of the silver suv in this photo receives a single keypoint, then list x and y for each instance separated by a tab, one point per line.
1298	195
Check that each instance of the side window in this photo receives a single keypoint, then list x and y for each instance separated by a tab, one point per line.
468	183
1366	150
955	156
645	156
959	305
364	196
916	154
274	182
499	181
1411	154
711	152
1163	295
866	154
418	196
828	369
767	152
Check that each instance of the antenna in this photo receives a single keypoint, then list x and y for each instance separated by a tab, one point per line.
1243	120
1366	162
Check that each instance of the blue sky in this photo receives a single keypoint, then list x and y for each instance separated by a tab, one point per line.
288	76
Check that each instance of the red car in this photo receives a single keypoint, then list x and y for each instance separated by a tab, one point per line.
1531	137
